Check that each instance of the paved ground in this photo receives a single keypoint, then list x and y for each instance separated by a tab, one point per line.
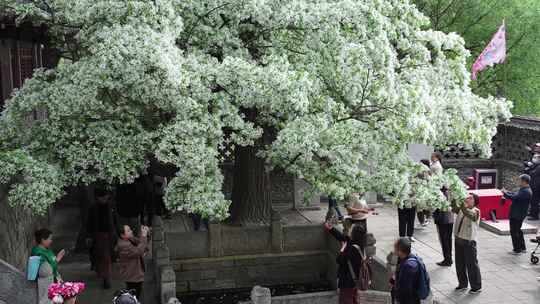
506	278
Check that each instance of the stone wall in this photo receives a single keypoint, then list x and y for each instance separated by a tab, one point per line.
244	271
508	152
330	297
14	288
224	240
229	257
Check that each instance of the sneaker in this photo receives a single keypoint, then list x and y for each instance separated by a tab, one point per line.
412	239
445	264
460	288
475	291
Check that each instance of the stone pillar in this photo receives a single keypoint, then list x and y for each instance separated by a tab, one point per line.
391	263
162	256
300	188
214	239
261	295
158	235
277	232
371	248
167	283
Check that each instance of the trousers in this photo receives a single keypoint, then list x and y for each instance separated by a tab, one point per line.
467	268
348	296
102	255
535	204
406	218
518	241
445	237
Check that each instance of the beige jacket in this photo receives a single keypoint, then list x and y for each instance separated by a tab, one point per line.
466	223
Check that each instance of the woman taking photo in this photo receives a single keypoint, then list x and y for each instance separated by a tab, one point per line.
48	269
349	259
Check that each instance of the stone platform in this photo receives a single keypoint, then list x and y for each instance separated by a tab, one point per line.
502	227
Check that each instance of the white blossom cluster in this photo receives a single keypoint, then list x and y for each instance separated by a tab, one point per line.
344	85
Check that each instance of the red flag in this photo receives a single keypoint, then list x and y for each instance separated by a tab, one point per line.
494	53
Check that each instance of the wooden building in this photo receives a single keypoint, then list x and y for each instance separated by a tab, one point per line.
22	49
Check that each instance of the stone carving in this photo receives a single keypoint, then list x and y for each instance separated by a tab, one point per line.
261	295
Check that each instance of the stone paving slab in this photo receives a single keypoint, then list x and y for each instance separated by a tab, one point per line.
502	227
505	278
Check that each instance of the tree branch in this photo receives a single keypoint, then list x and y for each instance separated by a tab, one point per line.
199	19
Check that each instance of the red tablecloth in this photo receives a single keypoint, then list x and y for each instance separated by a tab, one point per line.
490	199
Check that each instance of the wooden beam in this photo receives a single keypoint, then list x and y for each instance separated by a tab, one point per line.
16	65
5	69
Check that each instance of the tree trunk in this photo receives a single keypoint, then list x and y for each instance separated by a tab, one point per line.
251	193
251	199
17	227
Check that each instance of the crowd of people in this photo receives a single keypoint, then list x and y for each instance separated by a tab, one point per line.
117	230
457	229
119	233
457	226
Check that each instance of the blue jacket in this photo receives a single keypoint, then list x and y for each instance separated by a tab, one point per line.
520	202
407	274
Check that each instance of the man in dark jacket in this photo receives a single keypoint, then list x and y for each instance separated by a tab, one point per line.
518	212
533	170
404	283
102	234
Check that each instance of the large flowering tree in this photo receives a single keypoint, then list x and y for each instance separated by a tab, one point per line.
330	90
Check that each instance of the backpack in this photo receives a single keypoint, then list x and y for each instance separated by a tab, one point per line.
363	282
422	289
32	268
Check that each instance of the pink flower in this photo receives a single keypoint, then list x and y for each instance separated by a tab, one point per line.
59	291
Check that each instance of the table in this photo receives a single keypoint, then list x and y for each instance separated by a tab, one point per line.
490	199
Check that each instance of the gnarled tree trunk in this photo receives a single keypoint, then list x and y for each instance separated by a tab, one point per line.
17	227
251	193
